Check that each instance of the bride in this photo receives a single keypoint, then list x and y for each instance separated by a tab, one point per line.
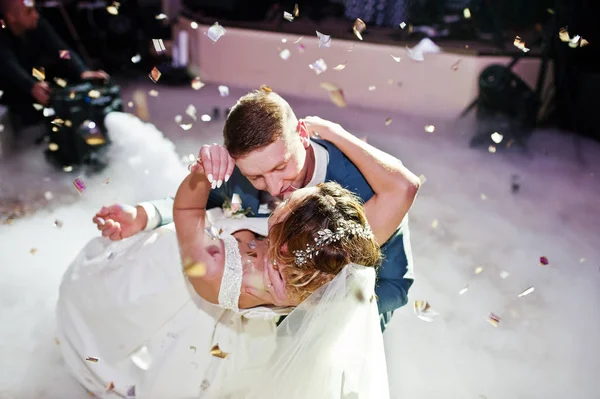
167	313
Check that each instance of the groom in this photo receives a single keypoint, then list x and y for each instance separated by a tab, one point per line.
268	154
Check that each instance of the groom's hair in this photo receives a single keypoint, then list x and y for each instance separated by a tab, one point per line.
258	119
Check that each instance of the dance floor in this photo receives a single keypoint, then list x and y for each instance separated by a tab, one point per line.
479	227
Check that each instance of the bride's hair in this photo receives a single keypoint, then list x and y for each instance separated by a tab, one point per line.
329	207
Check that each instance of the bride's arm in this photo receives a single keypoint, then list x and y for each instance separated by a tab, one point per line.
395	186
189	215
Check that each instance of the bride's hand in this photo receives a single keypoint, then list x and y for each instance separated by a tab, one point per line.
215	162
275	292
321	127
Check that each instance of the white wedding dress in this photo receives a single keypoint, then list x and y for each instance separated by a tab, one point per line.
130	325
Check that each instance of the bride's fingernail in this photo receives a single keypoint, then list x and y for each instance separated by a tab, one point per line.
210	178
219	183
227	178
213	185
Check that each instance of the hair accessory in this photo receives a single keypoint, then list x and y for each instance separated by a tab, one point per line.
326	237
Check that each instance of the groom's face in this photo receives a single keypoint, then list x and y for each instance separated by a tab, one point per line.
280	167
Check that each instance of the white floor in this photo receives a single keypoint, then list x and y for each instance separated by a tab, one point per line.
466	217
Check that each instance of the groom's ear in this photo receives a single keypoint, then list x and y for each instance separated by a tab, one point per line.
303	133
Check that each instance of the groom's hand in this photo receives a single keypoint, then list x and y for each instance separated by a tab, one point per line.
120	221
216	163
320	127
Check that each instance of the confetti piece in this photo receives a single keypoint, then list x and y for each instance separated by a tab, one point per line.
349	49
214	232
285	54
359	27
430	128
301	48
223	91
142	358
131	392
544	261
56	341
91	359
319	66
324	40
402	25
526	292
455	65
193	348
106	181
205	385
371	88
109	387
194	25
415	55
53	147
423	179
159	46
582	260
563	35
493	320
197	84
388	121
48	195
217	352
153	93
161	16
397	59
335	94
467	13
38	107
39	74
64	54
504	275
266	89
215	32
67	168
574	42
61	82
191	112
154	75
205	118
113	9
583	43
492	149
130	104
79	185
136	58
296	11
497	137
298	40
464	290
424	311
94	94
33	251
288	16
58	224
479	270
339	67
520	44
1	93
550	11
2	24
434	224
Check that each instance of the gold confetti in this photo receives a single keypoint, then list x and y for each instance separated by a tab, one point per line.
53	147
296	11
113	9
266	89
337	97
197	83
195	270
424	311
527	292
434	224
493	320
339	67
110	386
550	11
467	13
359	27
39	74
298	40
154	75
479	270
72	95
388	121
193	348
153	93
563	35
94	94
68	168
58	224
430	128
217	352
33	251
520	44
61	82
397	59
91	359
56	341
64	54
583	43
455	65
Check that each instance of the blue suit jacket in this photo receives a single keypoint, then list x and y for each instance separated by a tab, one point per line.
395	276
